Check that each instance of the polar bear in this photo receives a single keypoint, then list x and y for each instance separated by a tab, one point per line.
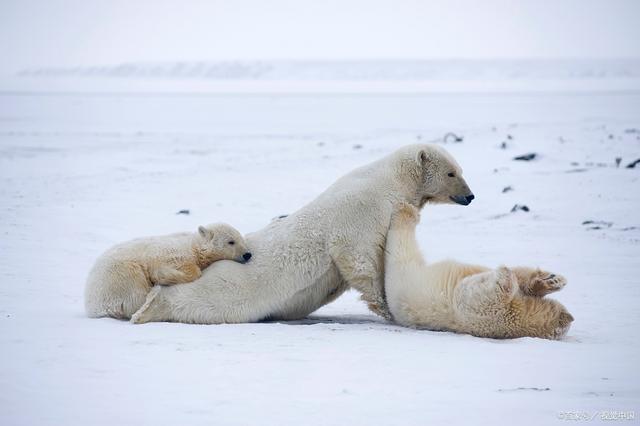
451	296
121	278
309	258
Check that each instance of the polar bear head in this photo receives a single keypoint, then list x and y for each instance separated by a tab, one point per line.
536	317
219	241
522	316
440	177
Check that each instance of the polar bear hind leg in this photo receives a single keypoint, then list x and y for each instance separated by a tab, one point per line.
149	311
486	291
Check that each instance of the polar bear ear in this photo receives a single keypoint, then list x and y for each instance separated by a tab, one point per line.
203	231
422	158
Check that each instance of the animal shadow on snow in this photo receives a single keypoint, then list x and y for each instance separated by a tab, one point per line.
334	319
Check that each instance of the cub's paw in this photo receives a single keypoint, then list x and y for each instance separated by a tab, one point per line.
543	283
406	214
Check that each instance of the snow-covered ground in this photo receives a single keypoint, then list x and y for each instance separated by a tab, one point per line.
80	172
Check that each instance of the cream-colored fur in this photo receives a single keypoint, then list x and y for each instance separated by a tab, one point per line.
310	257
121	278
500	303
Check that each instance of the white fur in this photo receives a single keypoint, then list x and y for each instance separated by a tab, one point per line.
121	278
310	257
471	299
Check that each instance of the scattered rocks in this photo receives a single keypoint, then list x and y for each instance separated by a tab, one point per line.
357	146
526	157
618	161
594	225
184	211
522	207
509	137
632	130
597	224
525	389
633	164
503	145
452	137
507	189
320	144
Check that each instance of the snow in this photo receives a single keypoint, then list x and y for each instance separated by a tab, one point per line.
81	171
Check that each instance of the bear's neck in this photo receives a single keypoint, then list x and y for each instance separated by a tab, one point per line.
407	177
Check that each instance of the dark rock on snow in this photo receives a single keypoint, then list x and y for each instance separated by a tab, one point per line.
526	157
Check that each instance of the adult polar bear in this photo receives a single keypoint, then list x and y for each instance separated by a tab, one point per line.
309	258
453	296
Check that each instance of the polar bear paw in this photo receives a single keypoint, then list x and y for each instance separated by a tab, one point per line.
538	283
543	283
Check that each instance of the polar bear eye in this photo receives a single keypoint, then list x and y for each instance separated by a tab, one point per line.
451	174
231	243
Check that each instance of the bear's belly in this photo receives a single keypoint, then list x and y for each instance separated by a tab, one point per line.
325	288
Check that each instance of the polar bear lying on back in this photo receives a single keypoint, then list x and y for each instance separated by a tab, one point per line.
121	278
500	303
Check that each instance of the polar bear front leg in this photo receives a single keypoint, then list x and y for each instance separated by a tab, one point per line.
536	282
360	271
167	275
402	246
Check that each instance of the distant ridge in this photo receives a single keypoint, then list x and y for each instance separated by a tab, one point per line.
366	70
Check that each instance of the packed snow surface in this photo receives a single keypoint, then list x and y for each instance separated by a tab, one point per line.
80	172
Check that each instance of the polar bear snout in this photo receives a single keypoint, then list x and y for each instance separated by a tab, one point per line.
246	257
464	200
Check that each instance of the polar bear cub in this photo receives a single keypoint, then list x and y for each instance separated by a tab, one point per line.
121	278
451	296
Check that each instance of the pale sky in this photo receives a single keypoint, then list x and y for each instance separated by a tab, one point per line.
91	32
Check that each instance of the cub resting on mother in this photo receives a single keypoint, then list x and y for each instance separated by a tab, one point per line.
451	296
